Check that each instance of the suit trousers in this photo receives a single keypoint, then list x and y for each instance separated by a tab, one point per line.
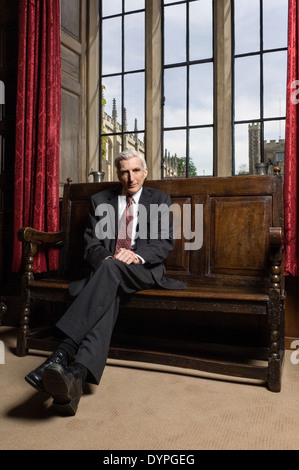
90	319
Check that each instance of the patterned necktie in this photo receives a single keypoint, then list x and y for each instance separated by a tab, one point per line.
124	239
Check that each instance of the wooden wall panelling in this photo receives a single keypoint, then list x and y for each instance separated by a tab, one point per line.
229	231
73	99
179	259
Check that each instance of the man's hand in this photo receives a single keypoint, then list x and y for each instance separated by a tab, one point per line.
127	256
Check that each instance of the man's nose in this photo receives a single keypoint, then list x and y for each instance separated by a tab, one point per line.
131	175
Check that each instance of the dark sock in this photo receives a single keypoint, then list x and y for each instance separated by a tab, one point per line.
69	347
82	370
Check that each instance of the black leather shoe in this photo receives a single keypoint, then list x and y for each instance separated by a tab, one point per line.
35	377
65	386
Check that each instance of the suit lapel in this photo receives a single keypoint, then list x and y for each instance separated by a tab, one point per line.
113	200
145	200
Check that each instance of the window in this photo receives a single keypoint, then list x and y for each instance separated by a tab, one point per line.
199	86
260	65
188	88
122	78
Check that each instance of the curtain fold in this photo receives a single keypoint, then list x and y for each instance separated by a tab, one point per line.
38	115
291	202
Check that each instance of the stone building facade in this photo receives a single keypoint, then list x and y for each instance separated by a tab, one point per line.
112	145
273	150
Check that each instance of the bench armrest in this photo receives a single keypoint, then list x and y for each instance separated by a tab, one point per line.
30	235
31	238
276	237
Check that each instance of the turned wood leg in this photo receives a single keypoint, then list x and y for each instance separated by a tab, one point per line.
275	358
24	329
275	366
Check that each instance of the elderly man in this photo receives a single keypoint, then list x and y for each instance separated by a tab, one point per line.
121	265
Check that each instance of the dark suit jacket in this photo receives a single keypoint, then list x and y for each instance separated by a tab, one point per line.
154	252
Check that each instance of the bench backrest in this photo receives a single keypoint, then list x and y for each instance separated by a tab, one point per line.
233	215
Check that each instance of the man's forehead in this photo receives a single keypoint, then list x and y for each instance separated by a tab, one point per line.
132	163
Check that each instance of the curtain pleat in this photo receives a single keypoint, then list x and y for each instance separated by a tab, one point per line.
38	115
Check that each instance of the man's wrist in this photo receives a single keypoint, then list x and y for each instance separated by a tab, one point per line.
141	259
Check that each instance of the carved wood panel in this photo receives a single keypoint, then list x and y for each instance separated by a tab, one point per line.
234	249
179	259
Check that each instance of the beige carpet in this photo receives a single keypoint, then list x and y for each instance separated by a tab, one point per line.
137	408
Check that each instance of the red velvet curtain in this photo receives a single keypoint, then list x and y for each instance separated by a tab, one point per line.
292	146
38	125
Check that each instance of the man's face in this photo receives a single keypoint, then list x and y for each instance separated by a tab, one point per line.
131	175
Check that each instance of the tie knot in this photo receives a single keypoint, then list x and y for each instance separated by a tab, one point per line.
129	200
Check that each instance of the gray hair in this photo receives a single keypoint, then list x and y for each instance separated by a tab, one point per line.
127	154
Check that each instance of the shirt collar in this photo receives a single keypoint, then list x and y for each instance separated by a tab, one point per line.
135	196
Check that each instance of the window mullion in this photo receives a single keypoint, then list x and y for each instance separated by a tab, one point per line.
122	73
223	90
153	94
187	89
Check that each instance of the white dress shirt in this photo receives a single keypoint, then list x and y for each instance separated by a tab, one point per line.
121	208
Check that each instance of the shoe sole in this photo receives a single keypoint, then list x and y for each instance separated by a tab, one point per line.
55	384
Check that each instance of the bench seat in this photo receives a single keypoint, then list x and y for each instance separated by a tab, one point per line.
192	292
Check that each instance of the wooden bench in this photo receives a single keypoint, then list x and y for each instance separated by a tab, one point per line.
229	320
